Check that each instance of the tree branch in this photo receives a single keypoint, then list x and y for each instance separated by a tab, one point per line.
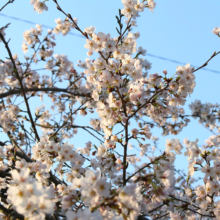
21	84
36	89
206	63
10	1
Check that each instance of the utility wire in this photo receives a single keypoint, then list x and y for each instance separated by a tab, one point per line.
178	62
30	22
77	35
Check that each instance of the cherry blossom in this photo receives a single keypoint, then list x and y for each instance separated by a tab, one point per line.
113	96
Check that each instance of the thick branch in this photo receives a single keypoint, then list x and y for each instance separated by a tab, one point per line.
10	213
21	84
36	89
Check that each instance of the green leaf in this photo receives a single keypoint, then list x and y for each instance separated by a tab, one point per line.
187	180
95	147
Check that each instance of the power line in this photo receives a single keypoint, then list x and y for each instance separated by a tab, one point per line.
77	35
30	22
178	62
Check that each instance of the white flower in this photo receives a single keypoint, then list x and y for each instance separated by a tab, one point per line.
33	2
40	7
102	187
109	45
216	30
84	214
91	177
21	177
134	132
142	51
89	193
101	151
151	4
46	205
89	30
17	195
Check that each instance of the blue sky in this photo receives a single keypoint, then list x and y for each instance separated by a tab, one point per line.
179	30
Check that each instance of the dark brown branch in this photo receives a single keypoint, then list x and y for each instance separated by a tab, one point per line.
64	123
21	154
142	168
10	1
36	89
161	216
70	17
21	84
210	216
77	27
155	209
206	63
73	126
125	151
85	128
149	100
184	201
11	214
127	28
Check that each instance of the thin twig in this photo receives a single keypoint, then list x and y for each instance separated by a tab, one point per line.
161	216
206	63
64	123
142	168
21	84
10	1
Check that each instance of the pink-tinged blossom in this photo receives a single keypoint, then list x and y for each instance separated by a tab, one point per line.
40	6
22	177
151	4
83	214
28	195
89	30
216	30
102	187
48	177
134	132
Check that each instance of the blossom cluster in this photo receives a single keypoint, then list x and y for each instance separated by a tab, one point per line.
64	26
48	152
8	117
207	113
28	196
133	7
115	98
